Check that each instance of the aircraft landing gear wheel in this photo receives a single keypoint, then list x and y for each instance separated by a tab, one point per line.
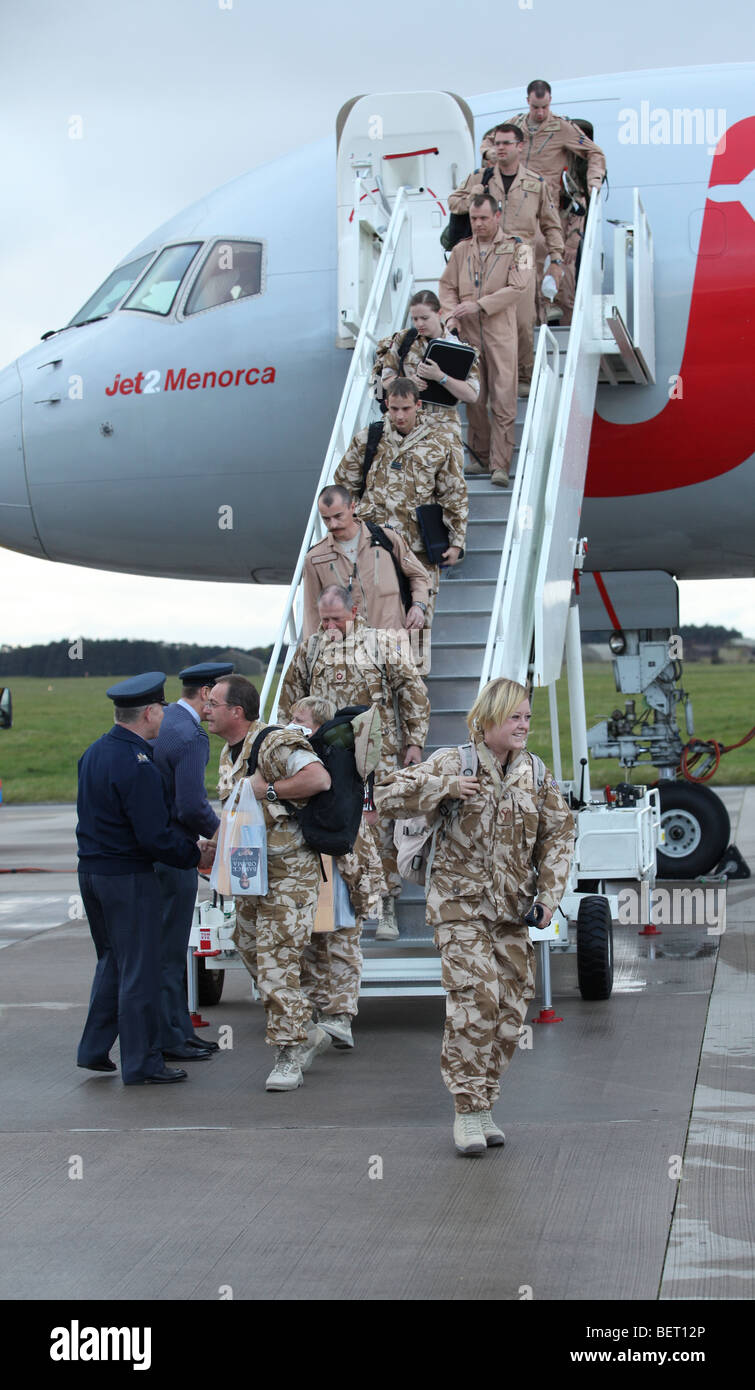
595	948
209	982
696	826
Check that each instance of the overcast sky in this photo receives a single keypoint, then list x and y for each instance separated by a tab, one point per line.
178	96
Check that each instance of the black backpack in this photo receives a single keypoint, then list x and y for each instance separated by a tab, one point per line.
459	226
330	820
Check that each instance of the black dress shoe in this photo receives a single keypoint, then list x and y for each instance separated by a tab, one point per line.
185	1053
104	1065
206	1043
161	1078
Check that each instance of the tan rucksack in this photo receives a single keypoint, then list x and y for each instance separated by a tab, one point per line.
416	836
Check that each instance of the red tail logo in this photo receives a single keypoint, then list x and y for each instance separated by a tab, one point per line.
710	430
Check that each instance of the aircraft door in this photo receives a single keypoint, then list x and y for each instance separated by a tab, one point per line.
420	141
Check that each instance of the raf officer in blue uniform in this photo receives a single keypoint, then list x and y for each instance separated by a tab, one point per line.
182	751
124	828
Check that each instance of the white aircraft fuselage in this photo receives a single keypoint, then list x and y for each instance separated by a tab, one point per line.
123	440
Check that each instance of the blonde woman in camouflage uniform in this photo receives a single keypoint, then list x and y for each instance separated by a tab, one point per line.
504	843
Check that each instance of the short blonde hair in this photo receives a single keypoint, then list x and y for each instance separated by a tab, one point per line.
495	703
321	710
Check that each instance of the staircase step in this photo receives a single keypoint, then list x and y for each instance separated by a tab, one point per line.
458	627
493	505
484	534
448	727
411	922
464	595
455	659
479	564
453	692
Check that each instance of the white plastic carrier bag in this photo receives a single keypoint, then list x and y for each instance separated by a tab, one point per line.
240	867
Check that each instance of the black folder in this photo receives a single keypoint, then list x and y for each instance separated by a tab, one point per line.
455	359
435	537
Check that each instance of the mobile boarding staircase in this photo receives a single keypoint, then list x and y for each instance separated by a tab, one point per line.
509	608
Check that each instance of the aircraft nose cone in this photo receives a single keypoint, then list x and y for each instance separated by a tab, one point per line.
17	529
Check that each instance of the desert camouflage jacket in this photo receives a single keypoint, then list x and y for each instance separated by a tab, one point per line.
495	851
409	471
283	834
367	668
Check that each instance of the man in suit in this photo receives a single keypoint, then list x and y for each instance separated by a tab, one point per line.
182	752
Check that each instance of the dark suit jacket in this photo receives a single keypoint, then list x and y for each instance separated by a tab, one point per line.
182	752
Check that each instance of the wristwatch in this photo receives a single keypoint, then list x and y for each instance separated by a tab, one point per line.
421	606
443	380
271	794
556	260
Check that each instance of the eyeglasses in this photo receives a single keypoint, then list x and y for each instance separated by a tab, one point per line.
217	704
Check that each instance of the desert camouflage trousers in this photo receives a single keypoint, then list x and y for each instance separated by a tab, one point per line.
271	935
383	835
331	969
488	973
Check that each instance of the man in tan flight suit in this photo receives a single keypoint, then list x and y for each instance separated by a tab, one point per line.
526	210
272	932
352	557
351	664
417	462
479	290
548	141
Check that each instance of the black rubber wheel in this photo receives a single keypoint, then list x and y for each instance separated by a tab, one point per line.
209	982
595	948
697	829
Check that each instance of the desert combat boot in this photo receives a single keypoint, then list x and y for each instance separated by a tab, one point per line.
286	1074
468	1135
493	1135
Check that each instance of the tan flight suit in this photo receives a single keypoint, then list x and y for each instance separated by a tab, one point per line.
272	931
497	275
365	668
388	363
526	211
332	962
495	853
410	470
372	583
546	151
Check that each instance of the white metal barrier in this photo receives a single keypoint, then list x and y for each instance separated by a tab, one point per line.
387	305
568	461
513	615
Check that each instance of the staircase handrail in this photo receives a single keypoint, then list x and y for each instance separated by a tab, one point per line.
567	465
387	306
512	618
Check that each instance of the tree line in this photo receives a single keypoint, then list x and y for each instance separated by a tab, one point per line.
116	656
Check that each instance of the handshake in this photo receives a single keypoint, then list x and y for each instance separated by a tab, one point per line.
206	855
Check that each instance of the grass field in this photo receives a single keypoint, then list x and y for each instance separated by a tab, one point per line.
54	721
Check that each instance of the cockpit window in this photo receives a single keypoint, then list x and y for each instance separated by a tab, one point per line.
112	291
233	270
156	292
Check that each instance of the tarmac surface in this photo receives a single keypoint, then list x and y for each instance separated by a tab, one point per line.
626	1173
